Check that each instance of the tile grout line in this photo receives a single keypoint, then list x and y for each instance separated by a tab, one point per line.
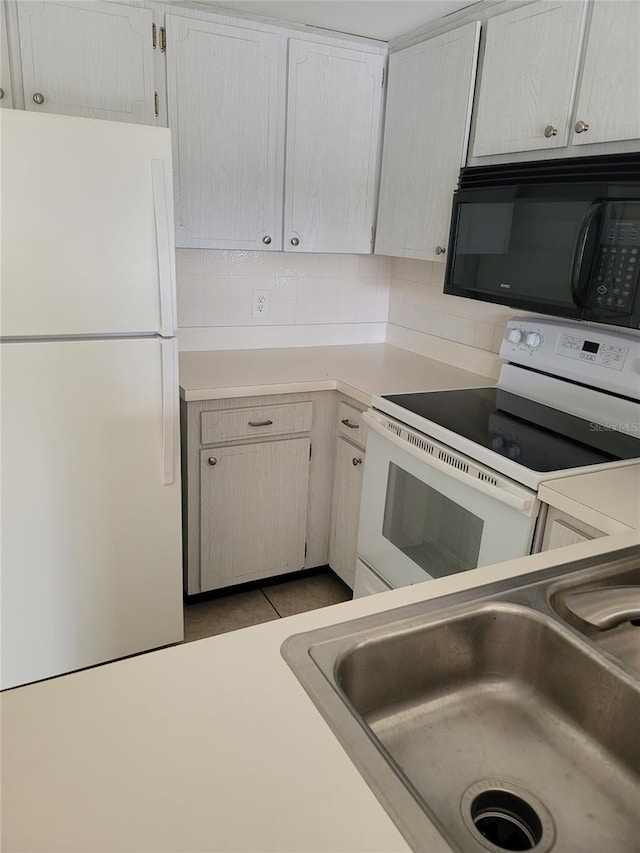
271	602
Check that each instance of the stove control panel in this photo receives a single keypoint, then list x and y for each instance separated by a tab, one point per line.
607	360
607	355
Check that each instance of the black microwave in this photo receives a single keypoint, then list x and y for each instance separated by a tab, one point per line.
558	237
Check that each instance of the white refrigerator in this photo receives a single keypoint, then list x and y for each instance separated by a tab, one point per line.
90	510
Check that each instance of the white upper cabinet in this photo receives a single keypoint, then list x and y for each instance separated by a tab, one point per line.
429	98
528	80
333	128
609	96
91	59
6	97
226	114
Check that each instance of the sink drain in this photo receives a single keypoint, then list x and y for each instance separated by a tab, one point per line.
502	816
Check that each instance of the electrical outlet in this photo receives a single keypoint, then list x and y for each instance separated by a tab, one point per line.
260	304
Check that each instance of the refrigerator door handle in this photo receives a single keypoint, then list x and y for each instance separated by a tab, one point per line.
164	242
168	348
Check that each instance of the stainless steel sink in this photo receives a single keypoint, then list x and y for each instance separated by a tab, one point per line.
486	721
622	641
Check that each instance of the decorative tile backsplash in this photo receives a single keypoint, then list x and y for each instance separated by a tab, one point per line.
418	303
216	291
216	288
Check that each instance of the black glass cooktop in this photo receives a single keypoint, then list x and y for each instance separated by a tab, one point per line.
538	437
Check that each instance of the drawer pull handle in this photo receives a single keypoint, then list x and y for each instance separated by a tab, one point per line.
260	423
348	423
356	461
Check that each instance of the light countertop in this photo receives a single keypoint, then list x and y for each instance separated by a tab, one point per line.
360	371
608	500
207	746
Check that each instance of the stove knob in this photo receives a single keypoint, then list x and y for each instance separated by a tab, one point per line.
515	336
534	340
497	442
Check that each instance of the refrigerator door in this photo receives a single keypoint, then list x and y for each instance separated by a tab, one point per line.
90	502
87	227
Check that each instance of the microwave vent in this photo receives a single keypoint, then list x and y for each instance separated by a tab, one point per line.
600	169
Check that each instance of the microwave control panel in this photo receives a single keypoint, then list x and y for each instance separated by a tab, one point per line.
615	278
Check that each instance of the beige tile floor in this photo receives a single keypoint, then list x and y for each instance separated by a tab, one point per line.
243	609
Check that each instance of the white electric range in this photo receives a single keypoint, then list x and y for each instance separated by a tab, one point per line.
451	477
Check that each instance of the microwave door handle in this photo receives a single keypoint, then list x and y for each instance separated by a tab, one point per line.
578	288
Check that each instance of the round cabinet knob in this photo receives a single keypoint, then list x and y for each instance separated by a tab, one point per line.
266	240
550	131
212	461
356	461
1	94
440	250
534	340
295	241
581	127
38	98
515	336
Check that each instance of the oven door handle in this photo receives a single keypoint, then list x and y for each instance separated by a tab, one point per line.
524	503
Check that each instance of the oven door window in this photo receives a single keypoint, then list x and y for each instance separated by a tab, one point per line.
433	531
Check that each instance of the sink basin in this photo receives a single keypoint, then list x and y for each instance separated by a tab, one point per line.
483	722
621	642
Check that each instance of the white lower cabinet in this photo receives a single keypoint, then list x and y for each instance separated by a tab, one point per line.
561	529
367	582
345	509
253	511
348	467
257	477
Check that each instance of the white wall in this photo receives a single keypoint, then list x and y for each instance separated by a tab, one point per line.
313	298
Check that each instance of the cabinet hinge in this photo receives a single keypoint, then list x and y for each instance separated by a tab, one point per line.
310	450
305	550
163	39
154	36
384	74
156	104
373	234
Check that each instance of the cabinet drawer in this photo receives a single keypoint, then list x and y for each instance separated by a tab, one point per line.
350	423
256	422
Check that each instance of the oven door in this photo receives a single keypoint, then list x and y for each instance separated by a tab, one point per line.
428	511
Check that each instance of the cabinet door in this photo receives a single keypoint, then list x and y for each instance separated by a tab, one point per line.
6	96
430	92
253	511
528	78
226	113
345	510
88	59
333	127
561	529
609	95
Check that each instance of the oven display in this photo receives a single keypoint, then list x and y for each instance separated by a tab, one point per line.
590	346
